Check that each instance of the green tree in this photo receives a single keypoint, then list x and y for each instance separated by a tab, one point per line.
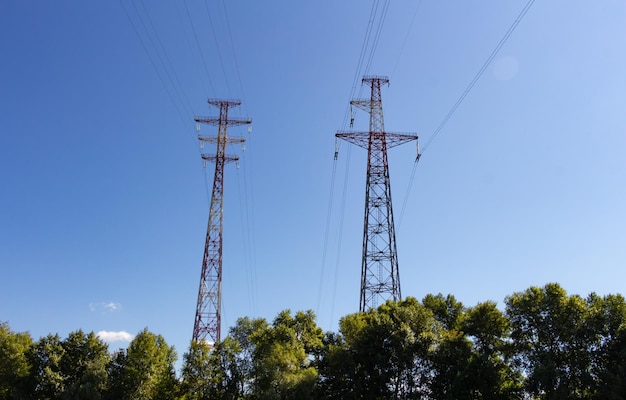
118	386
450	359
452	371
447	310
381	353
282	357
552	342
492	376
14	365
469	360
83	366
337	369
197	377
213	373
45	379
145	370
608	320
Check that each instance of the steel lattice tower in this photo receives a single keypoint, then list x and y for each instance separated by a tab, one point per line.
207	325
380	278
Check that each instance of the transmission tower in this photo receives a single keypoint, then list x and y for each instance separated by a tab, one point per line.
207	325
380	278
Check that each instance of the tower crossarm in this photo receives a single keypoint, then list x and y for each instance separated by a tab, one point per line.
226	158
363	104
217	121
229	103
362	139
214	139
384	80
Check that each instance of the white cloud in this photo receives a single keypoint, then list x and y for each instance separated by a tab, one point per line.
112	306
108	336
105	306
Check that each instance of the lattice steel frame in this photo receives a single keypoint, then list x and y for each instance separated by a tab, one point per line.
207	325
380	277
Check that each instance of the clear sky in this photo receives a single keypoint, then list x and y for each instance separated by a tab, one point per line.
103	197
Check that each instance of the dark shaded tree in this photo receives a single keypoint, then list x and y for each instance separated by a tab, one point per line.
83	366
14	366
552	342
145	370
282	357
381	353
447	310
608	320
45	379
492	375
213	373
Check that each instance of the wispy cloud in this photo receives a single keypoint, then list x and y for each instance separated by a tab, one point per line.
110	306
105	306
109	336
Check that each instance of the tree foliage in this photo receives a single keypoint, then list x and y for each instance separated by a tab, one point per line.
14	365
544	344
553	342
145	370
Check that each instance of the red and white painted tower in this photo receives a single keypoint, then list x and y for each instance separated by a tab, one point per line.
380	278
207	325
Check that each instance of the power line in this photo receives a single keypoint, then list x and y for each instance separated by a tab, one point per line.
143	45
379	29
366	57
217	47
479	73
232	46
406	37
177	83
357	72
326	231
195	35
342	213
469	87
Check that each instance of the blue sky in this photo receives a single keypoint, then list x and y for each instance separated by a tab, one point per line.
103	197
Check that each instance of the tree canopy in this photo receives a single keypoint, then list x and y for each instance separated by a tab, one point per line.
543	344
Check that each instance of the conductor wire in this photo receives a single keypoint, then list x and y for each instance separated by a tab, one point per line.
479	73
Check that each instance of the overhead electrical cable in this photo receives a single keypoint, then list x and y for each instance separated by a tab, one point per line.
379	29
217	47
206	68
247	206
248	217
358	72
326	233
355	80
245	231
175	82
145	48
479	73
467	90
167	74
406	37
342	213
232	46
366	57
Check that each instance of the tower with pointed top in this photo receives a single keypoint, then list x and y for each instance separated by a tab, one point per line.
207	325
380	277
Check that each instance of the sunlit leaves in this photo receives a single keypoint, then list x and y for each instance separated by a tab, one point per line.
14	365
545	344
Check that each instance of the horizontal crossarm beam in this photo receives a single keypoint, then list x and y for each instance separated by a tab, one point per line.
213	139
227	158
217	121
361	139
